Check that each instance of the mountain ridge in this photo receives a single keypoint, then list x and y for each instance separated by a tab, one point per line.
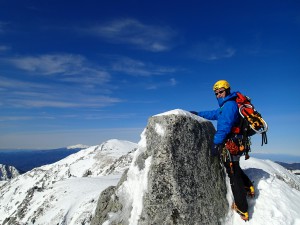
47	194
66	192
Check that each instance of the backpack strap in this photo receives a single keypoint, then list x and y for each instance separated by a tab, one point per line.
264	138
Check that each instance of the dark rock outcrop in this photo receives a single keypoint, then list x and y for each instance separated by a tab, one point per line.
172	180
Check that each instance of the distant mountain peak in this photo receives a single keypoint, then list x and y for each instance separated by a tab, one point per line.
78	146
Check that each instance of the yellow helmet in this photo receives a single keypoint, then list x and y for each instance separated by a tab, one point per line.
221	84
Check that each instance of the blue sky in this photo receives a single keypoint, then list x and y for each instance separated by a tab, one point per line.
87	71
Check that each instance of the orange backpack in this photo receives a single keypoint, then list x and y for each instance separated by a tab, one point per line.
251	121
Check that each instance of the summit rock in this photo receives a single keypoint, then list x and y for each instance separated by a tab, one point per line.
178	181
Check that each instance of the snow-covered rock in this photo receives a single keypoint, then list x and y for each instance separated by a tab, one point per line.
173	178
8	172
277	199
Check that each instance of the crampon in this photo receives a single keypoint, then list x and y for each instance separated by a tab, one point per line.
250	191
244	215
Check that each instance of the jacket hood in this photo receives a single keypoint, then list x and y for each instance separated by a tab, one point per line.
229	97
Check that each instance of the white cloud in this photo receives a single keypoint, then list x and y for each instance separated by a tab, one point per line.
65	67
2	25
52	75
49	64
133	32
65	103
59	101
173	82
213	49
4	48
163	84
9	84
139	68
15	118
16	93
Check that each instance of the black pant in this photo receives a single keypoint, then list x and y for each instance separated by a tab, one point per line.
238	181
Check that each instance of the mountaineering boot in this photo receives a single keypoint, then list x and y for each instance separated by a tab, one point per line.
244	215
250	191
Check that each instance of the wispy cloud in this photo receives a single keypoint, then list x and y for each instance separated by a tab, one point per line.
15	118
7	84
22	118
65	103
49	64
139	68
173	82
2	26
66	67
135	33
169	83
22	94
213	49
4	48
51	75
75	101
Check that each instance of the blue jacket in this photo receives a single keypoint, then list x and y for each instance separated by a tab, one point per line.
227	116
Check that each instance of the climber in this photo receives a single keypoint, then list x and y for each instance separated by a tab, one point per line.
228	117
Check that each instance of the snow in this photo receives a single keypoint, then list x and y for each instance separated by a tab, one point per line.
159	129
63	192
68	197
296	171
277	199
77	195
183	113
78	146
131	192
134	188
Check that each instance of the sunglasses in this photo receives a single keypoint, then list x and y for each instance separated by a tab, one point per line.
220	92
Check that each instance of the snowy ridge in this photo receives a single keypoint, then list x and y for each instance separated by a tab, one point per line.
78	146
183	113
66	190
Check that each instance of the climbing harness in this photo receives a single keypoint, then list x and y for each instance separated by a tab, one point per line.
235	146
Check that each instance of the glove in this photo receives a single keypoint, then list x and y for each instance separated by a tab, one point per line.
215	150
194	112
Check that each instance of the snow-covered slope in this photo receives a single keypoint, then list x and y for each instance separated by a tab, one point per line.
277	199
65	192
